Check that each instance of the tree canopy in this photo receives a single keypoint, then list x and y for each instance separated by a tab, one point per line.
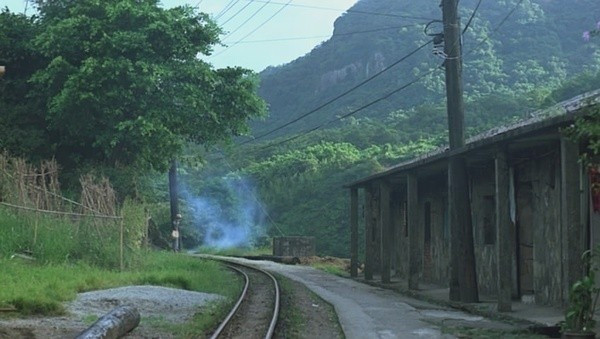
118	82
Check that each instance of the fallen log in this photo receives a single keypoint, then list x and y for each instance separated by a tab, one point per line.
114	324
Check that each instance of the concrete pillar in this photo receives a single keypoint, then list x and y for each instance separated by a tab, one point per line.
368	233
572	228
354	232
386	230
413	231
503	232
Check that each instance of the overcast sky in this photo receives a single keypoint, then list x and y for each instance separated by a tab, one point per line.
244	16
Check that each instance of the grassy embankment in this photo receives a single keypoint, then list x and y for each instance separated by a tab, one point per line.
70	258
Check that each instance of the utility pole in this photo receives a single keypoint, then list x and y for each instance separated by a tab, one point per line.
463	278
174	199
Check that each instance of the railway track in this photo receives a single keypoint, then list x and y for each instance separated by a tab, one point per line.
255	313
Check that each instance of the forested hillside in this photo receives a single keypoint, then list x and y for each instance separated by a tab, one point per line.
539	44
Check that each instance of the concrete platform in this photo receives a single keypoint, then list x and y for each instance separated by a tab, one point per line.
525	313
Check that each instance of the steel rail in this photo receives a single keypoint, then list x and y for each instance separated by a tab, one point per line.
235	308
276	308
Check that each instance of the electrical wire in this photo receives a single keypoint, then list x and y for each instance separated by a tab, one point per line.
255	29
226	8
245	22
348	10
236	14
323	36
339	96
472	17
230	8
496	29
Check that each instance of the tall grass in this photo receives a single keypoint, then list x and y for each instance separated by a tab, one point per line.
34	288
71	257
60	240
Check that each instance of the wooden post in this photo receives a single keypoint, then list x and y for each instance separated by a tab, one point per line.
2	70
463	278
368	233
174	200
354	232
386	231
395	235
413	230
572	228
503	229
376	236
121	245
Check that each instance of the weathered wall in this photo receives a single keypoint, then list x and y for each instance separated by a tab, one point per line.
294	246
372	229
432	190
401	246
537	171
482	188
544	172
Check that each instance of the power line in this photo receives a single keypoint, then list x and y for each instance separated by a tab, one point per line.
346	10
198	4
339	96
352	112
472	16
226	8
256	29
225	12
323	36
236	13
246	21
496	29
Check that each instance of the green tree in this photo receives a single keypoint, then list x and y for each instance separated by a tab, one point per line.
21	119
123	85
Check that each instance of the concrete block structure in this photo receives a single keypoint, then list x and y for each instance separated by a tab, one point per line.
294	246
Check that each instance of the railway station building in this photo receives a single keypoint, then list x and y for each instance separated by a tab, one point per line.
548	205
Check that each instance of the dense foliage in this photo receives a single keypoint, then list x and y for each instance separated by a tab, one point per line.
116	83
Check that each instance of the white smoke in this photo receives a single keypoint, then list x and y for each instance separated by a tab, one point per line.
234	219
